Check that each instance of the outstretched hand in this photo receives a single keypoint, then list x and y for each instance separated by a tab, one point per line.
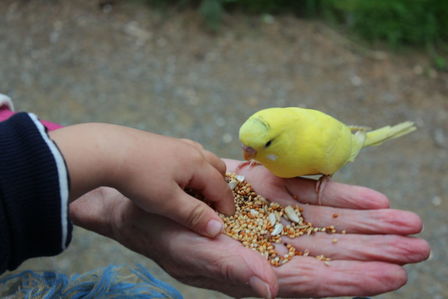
367	260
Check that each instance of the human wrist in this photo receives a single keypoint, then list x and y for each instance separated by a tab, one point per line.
86	149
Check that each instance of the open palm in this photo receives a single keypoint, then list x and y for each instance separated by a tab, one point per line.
367	260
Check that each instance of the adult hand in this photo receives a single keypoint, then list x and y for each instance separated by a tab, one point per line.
220	264
367	260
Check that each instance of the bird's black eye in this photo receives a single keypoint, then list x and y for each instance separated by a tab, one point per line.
268	143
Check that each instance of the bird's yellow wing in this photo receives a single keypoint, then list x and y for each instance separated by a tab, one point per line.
321	145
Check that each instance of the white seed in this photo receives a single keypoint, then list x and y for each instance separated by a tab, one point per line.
292	215
232	184
277	229
253	212
272	219
278	216
240	178
262	199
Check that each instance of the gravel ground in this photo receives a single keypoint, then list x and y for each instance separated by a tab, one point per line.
71	62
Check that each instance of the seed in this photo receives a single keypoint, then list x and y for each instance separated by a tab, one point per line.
232	184
240	178
292	215
256	223
253	212
278	228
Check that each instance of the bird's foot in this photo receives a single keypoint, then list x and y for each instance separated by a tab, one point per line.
320	186
250	164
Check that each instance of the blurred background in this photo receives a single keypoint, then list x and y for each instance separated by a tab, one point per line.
198	69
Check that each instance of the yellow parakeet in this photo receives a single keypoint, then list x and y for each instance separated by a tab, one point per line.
293	141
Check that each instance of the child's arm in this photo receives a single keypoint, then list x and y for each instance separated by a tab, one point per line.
151	169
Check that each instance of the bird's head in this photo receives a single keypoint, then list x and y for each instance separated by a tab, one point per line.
261	134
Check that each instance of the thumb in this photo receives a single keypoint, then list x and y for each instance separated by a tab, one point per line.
244	266
263	280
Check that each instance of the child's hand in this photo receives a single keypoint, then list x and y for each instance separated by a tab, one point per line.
151	169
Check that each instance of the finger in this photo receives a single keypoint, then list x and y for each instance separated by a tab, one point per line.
244	266
310	277
381	221
209	183
215	161
192	213
231	268
209	156
195	144
289	191
336	194
387	248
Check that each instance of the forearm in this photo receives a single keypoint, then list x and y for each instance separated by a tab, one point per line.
94	154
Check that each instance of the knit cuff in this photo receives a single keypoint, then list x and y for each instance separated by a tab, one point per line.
34	192
5	100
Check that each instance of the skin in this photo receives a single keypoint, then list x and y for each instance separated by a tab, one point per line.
151	169
368	260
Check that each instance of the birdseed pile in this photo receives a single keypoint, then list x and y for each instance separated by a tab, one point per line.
258	223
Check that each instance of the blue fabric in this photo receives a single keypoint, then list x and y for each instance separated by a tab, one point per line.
110	282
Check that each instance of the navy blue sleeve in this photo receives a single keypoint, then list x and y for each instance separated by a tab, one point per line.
33	193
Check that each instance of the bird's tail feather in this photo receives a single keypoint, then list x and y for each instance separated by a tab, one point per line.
378	136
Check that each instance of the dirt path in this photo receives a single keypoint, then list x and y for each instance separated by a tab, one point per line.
70	62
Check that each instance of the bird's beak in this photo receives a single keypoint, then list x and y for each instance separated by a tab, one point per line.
249	153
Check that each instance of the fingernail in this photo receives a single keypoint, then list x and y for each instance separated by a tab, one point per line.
261	287
214	228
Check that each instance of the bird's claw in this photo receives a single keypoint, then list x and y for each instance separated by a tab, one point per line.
320	186
250	164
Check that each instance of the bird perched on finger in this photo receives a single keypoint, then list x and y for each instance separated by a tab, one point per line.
294	141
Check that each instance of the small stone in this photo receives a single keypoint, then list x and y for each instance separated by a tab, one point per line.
436	200
141	35
418	69
268	19
227	138
432	73
220	122
356	80
439	137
